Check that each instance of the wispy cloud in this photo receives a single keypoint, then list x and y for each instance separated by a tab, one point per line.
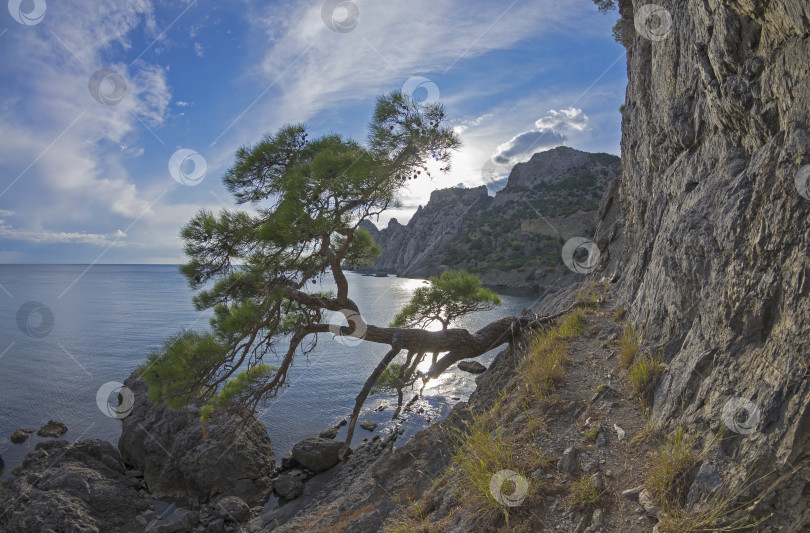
391	42
7	231
51	76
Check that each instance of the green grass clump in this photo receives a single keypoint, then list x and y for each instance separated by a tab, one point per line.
480	455
545	363
644	376
572	325
592	433
584	493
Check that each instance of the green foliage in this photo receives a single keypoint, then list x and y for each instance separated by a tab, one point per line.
450	296
176	374
237	389
629	344
362	250
311	194
605	5
479	456
618	32
389	379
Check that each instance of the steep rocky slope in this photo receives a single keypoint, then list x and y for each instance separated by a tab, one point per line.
511	239
707	231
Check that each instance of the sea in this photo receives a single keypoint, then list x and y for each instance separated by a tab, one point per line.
70	333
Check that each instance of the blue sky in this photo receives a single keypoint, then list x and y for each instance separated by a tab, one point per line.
96	97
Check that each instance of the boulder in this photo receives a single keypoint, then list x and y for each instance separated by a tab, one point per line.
368	426
233	508
330	433
51	445
288	461
20	435
707	482
289	486
317	454
178	460
568	461
80	489
473	367
52	429
177	522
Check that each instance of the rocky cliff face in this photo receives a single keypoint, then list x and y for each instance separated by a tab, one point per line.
512	239
407	249
181	459
707	230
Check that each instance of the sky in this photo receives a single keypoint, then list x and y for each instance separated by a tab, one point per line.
119	118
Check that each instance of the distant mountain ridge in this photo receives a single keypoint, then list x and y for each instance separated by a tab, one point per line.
513	239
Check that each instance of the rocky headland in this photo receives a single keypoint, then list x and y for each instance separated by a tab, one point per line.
510	240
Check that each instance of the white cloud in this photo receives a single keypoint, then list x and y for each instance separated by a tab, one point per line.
464	125
571	118
76	146
525	144
48	237
549	133
198	49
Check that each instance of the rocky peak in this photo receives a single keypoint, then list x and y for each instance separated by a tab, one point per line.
546	166
456	194
511	239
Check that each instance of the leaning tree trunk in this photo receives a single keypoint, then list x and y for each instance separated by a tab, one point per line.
458	343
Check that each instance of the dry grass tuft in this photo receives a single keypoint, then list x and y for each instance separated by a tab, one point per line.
673	461
628	346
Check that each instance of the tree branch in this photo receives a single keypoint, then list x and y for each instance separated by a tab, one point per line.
361	398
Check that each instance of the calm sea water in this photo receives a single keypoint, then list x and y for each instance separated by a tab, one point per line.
66	330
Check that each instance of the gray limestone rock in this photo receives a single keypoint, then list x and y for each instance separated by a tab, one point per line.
179	460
